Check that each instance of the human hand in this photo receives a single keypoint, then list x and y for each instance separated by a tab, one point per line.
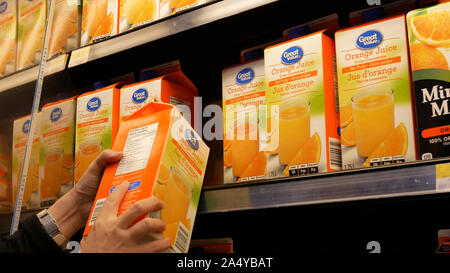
85	190
112	233
72	210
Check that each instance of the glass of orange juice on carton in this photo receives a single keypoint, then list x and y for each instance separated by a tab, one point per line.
97	121
243	93
300	88
162	157
8	32
21	128
375	104
66	27
30	35
99	21
135	13
174	88
429	49
57	149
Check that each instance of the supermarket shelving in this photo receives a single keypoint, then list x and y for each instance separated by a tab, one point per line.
211	37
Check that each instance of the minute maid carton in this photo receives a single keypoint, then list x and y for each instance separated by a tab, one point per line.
135	13
8	32
243	92
100	20
162	157
302	115
21	128
429	49
66	26
97	122
57	136
375	102
174	88
30	35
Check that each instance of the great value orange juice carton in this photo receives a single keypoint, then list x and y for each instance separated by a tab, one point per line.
174	88
57	149
97	122
302	115
429	49
243	92
66	27
135	13
8	32
21	128
5	174
30	35
168	7
162	157
330	23
375	94
99	20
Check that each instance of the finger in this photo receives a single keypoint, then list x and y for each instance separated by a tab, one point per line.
138	209
111	206
98	165
147	227
154	246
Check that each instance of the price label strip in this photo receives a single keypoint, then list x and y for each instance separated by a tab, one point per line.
34	110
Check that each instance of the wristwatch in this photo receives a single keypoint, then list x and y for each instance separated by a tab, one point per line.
50	226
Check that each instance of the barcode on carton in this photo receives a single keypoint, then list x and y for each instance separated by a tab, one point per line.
335	153
182	239
97	208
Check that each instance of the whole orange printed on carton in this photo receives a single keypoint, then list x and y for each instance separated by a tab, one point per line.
162	157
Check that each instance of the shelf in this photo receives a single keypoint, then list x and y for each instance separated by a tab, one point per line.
158	30
416	178
28	75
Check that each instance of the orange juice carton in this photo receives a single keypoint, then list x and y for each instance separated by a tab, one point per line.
169	7
243	92
8	32
429	51
66	27
97	121
30	35
57	145
375	102
330	23
5	174
303	120
162	157
376	12
174	88
99	20
135	13
21	128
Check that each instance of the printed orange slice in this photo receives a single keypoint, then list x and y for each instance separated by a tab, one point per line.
432	28
308	153
348	135
183	3
257	167
105	26
394	144
345	114
147	13
426	57
94	14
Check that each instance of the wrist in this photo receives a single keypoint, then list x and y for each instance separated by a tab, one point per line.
65	211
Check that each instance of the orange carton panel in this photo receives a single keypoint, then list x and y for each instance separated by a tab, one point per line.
162	157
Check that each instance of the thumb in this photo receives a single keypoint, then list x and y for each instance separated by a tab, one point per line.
105	158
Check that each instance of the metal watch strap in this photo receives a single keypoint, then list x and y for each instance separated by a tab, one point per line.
50	226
